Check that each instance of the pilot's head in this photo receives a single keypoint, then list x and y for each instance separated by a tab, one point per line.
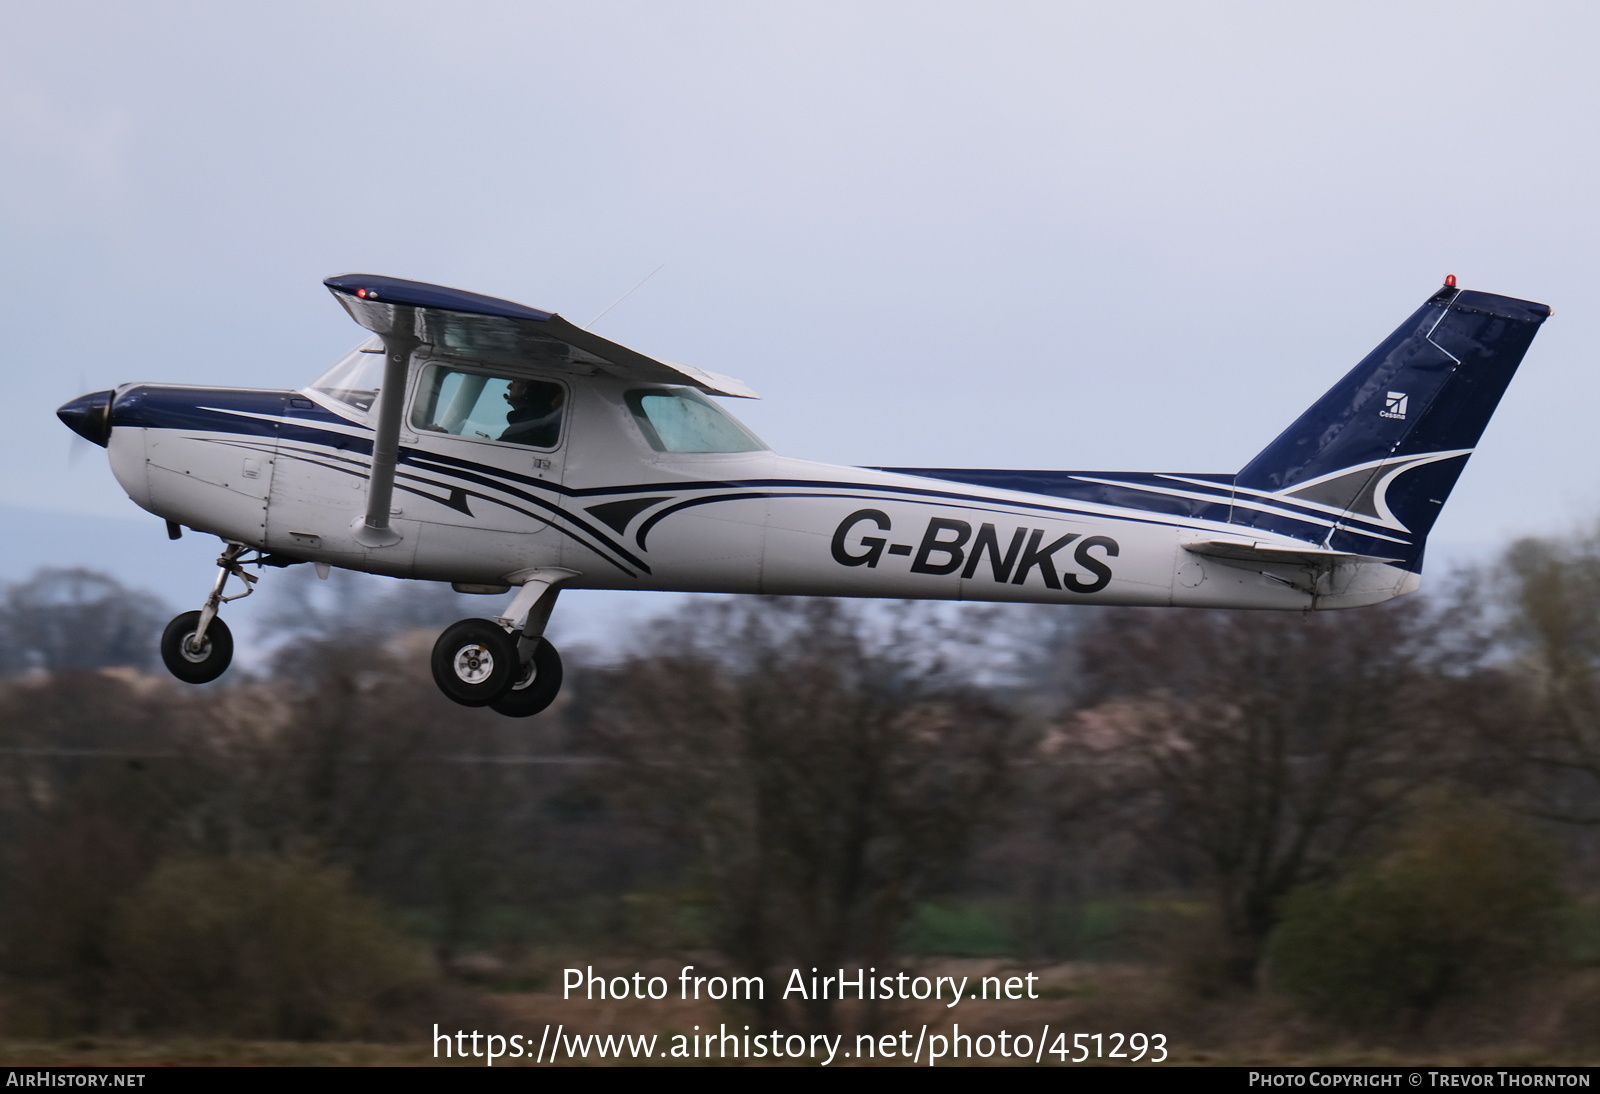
533	395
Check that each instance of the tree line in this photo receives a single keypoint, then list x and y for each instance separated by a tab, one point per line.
1319	799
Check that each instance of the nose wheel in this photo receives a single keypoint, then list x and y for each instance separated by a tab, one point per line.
193	657
197	647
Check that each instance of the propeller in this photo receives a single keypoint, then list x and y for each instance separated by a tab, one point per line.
80	442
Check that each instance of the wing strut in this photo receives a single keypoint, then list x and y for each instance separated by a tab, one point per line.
398	344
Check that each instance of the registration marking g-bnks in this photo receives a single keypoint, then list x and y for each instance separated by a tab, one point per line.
948	545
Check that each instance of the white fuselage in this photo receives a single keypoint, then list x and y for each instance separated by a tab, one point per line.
286	472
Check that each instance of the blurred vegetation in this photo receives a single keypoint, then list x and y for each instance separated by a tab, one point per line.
66	620
267	947
1466	901
1385	817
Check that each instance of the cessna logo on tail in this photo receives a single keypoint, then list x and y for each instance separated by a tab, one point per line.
1394	406
949	545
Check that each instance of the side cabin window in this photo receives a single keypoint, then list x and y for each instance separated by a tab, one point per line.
680	419
489	408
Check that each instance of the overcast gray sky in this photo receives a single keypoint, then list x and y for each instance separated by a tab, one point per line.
1069	235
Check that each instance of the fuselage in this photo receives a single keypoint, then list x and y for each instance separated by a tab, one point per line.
286	472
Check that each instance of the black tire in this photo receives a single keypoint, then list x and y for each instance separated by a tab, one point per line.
474	662
192	667
536	688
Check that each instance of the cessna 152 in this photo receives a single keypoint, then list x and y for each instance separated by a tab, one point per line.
494	446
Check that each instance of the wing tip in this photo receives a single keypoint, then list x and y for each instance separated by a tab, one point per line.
378	288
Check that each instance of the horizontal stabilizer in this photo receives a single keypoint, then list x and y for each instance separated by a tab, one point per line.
1308	555
499	331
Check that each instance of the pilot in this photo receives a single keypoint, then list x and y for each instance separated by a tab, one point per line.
535	417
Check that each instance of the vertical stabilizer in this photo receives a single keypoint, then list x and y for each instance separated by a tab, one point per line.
1374	459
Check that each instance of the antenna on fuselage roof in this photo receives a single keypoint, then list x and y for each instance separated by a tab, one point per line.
623	297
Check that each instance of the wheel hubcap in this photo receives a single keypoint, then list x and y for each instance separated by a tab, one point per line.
192	653
474	664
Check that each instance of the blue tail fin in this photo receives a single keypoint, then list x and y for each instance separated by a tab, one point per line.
1378	454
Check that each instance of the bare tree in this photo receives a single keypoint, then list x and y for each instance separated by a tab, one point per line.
350	754
94	788
76	619
1263	747
828	762
1550	593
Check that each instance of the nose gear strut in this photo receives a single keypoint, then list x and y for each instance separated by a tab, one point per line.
197	647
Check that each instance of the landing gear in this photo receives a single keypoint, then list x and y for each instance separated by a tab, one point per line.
193	657
475	662
197	647
536	688
505	664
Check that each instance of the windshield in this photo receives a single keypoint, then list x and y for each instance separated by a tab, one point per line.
356	378
680	419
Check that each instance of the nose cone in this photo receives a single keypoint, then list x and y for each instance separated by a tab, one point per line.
89	416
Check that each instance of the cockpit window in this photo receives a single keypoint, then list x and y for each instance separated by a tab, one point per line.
680	419
356	378
489	408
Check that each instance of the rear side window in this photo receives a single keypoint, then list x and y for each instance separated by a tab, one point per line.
680	419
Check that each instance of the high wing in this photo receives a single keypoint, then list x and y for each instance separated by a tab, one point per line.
408	315
499	331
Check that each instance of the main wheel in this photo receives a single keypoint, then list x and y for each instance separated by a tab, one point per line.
536	688
474	662
191	664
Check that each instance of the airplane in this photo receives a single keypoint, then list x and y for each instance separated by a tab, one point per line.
497	447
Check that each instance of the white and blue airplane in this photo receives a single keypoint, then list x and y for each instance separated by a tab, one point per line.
498	447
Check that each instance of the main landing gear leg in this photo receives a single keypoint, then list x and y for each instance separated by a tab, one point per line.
506	665
197	647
